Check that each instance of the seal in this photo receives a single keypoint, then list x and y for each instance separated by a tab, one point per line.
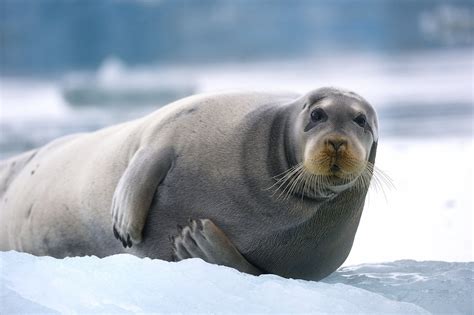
261	182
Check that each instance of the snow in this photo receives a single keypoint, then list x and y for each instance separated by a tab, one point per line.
428	213
127	284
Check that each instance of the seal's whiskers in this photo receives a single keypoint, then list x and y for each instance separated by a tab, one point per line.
285	176
381	179
298	180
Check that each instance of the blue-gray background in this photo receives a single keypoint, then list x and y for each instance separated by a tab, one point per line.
52	36
77	65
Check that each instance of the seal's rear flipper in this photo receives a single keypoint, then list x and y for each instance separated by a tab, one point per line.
134	193
203	239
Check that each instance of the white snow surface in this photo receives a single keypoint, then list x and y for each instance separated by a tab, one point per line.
427	215
127	284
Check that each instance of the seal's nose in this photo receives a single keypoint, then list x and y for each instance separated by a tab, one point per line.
337	143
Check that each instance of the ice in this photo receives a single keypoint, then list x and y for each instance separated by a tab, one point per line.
23	100
127	284
440	287
425	77
116	85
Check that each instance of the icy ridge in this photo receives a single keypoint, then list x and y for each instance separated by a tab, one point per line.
440	287
127	284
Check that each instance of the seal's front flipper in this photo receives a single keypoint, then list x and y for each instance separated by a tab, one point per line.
203	239
134	193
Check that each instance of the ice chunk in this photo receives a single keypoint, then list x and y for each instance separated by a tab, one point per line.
127	284
440	287
13	303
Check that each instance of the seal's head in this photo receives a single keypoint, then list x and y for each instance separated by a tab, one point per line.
334	138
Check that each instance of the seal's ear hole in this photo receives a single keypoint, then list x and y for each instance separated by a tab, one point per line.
373	152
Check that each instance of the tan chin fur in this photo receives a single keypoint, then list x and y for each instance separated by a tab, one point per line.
319	159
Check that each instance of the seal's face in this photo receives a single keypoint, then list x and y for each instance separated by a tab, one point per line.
338	130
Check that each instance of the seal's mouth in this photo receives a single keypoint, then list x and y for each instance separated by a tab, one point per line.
301	181
330	164
336	162
340	172
337	177
326	169
335	169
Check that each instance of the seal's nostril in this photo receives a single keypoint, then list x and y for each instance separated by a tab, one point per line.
336	144
335	168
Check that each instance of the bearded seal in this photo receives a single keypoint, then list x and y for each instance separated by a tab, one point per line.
261	182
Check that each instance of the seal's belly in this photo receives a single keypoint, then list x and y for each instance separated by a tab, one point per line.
290	252
303	257
201	193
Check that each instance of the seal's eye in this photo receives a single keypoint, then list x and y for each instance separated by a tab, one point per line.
317	115
361	120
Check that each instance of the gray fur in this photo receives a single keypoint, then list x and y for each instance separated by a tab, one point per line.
203	239
209	157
